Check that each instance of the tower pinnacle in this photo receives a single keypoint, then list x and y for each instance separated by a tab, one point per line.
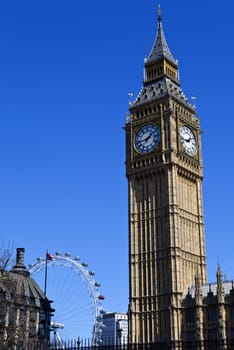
160	48
159	13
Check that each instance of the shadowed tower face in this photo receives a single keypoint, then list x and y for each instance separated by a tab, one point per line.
164	172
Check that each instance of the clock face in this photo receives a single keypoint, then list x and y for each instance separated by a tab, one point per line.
188	140
147	138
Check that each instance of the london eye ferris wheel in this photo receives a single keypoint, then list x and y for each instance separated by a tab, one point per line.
75	295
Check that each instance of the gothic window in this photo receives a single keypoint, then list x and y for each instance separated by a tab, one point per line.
190	340
190	335
212	339
232	333
190	316
211	314
231	313
212	334
32	299
22	311
32	329
12	314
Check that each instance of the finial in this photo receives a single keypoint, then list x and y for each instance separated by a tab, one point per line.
20	267
20	256
159	13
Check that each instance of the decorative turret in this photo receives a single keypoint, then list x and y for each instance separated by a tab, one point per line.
220	289
198	290
221	308
199	306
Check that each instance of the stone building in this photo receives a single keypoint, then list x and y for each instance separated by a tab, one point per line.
24	310
208	313
167	256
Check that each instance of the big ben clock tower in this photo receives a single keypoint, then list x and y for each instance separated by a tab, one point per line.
166	227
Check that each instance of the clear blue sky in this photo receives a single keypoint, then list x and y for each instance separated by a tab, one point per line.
66	68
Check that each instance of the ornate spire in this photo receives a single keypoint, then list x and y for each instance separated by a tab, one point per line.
220	289
198	290
160	48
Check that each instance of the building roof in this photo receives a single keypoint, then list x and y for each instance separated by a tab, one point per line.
212	287
162	85
160	48
27	288
158	89
114	315
18	284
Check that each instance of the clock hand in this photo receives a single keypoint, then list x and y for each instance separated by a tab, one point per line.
186	137
147	138
144	140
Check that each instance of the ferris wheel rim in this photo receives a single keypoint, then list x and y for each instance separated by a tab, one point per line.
86	275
